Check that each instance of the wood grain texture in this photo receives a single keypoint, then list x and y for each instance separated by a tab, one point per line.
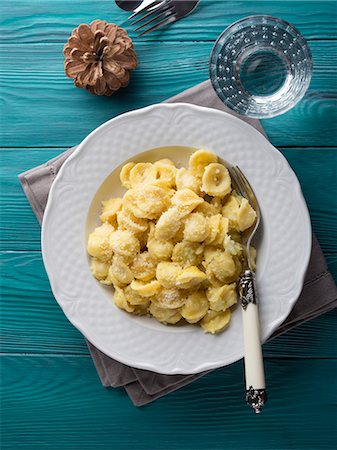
315	168
64	115
34	323
56	18
58	403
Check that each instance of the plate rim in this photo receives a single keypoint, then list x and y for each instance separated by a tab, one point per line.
77	152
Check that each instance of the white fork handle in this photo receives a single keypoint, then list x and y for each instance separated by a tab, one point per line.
256	395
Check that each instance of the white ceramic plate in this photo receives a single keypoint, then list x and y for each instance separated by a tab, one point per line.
73	207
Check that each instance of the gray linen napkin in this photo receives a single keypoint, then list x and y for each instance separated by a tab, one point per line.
319	293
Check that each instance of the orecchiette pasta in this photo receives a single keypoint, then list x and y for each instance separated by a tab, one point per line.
142	173
187	253
185	180
144	266
147	202
186	201
214	321
110	209
196	227
125	174
195	307
171	246
199	160
216	180
124	243
168	224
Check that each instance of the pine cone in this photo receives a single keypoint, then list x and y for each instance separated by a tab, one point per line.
99	57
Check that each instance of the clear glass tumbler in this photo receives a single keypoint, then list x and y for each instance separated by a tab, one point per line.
260	66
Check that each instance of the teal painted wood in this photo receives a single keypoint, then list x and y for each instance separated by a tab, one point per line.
19	229
63	115
56	18
52	397
34	323
58	403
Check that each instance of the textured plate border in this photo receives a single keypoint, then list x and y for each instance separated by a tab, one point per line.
287	231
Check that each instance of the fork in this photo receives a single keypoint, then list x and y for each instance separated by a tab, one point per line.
256	395
159	13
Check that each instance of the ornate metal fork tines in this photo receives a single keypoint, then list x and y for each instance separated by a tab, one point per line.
159	13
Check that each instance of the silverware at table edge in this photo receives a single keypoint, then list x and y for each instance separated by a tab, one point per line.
160	13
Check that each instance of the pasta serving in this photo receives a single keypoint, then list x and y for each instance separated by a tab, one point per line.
171	247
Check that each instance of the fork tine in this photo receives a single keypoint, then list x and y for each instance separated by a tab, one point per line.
158	9
237	181
251	195
164	13
164	22
146	8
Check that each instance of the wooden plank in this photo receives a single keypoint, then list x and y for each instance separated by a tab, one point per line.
42	108
34	323
316	169
56	18
58	402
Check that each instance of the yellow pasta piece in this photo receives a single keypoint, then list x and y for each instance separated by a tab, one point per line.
119	271
190	277
223	297
99	244
168	224
199	160
142	173
167	273
144	266
141	310
109	210
125	174
222	266
160	249
134	298
169	299
222	231
209	253
186	201
124	243
127	221
164	315
121	301
166	174
196	228
187	253
195	307
185	180
231	210
214	321
214	228
147	201
232	247
207	209
146	288
99	269
246	215
216	180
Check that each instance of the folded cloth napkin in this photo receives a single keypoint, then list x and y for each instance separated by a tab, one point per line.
318	296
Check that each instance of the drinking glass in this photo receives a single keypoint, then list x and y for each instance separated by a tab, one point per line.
260	66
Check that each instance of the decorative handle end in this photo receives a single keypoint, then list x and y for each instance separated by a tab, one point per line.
256	398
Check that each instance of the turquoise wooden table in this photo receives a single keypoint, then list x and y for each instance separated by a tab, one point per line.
51	394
